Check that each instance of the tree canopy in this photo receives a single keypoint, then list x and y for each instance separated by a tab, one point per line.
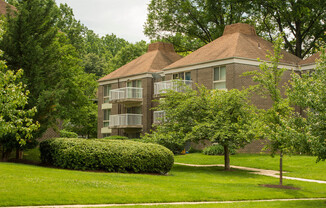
308	92
201	21
219	116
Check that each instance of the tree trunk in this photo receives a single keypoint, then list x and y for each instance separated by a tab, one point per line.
19	154
5	154
281	168
226	158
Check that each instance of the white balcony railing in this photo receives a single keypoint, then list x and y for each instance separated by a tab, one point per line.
176	85
158	117
125	120
126	93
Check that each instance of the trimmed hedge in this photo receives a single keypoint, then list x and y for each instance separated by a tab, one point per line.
217	150
106	154
68	134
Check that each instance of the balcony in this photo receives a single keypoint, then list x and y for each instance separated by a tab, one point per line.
124	121
158	117
126	95
176	85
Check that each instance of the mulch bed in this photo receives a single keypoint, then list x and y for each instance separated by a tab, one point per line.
279	186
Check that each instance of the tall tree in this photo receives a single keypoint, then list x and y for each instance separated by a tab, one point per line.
308	92
229	121
16	123
301	22
74	29
200	20
277	121
127	54
51	65
94	64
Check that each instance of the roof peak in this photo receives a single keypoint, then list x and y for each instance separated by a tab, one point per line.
239	28
160	46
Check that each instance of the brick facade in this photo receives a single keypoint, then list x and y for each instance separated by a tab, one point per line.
235	56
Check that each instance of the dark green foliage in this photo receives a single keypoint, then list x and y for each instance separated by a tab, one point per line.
108	155
117	137
170	140
68	134
193	150
197	21
217	150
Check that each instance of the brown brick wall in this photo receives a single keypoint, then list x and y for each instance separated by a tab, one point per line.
204	77
100	111
148	92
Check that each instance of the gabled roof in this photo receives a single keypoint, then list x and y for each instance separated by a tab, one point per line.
3	7
239	40
158	56
310	59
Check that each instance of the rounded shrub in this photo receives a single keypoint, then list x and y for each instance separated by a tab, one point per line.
217	150
68	134
108	155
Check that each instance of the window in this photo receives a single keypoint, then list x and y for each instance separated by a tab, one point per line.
219	77
106	93
182	75
134	83
134	110
106	117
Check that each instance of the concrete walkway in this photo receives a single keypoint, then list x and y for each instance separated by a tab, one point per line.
168	203
271	173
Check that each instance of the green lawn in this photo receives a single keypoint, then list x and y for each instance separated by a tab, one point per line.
296	166
288	204
33	185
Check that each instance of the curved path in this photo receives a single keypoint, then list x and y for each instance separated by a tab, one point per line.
271	173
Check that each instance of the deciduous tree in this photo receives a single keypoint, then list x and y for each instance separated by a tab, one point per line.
16	122
277	121
308	91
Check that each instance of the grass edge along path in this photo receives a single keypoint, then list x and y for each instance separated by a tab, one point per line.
170	203
271	173
299	166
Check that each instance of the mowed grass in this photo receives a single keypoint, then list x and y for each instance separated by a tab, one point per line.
296	166
33	185
284	204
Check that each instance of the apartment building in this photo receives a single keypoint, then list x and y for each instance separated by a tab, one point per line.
125	95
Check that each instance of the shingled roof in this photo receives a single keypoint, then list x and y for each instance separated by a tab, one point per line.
238	40
3	7
158	56
311	59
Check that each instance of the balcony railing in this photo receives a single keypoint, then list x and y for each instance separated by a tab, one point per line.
176	85
126	121
158	117
126	93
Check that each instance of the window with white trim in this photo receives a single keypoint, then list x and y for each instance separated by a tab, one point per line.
219	77
106	117
106	93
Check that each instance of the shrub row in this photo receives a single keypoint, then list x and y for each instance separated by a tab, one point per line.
217	149
108	155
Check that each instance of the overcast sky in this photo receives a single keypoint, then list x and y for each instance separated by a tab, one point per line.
124	18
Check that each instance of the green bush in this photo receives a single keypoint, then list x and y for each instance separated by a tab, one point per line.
217	149
67	134
106	154
167	140
117	137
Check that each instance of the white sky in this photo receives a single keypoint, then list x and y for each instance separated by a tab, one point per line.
124	18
